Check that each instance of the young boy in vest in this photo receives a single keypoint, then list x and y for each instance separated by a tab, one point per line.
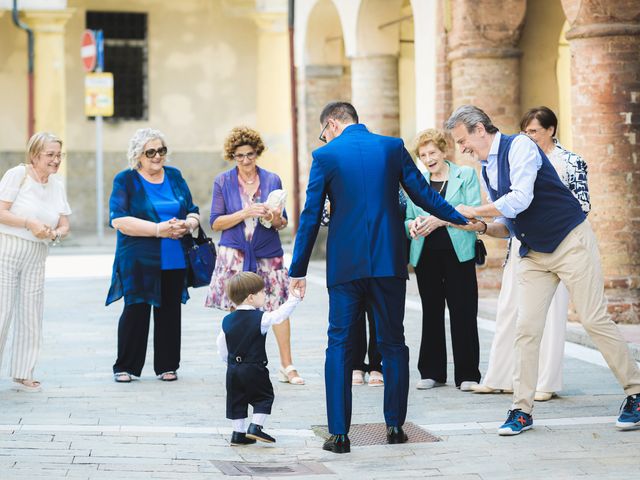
241	345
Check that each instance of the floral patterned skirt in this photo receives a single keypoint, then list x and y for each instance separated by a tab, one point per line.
230	261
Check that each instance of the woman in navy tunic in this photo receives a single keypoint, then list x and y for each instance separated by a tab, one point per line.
152	210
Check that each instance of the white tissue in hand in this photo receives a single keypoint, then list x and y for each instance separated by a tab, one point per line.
275	201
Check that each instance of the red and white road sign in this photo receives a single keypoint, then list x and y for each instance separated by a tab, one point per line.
88	51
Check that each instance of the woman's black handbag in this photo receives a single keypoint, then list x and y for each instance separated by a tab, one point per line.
202	259
481	253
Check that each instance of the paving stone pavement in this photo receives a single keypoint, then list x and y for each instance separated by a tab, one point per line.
85	426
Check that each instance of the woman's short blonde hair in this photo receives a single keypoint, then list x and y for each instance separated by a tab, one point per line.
240	136
37	142
430	135
243	284
138	141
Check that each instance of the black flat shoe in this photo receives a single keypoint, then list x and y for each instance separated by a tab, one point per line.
396	435
240	438
255	432
337	444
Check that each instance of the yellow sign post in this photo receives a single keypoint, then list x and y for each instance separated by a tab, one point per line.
98	94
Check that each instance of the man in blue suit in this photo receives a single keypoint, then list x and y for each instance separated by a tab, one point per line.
366	256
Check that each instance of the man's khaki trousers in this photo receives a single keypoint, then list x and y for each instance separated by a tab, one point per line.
576	261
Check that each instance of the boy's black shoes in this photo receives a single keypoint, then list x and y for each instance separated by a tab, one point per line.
337	444
239	438
396	435
255	432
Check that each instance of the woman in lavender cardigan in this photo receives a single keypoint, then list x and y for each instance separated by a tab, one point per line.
246	245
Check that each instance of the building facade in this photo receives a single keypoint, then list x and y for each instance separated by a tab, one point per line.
196	68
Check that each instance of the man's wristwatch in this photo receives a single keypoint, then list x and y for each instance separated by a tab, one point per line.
484	230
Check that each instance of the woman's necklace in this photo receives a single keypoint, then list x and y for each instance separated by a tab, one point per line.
444	182
247	181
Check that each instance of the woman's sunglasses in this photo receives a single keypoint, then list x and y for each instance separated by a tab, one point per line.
152	152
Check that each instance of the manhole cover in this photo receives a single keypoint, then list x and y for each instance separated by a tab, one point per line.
376	434
271	469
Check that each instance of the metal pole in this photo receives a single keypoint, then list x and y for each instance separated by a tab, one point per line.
30	55
99	148
99	183
294	120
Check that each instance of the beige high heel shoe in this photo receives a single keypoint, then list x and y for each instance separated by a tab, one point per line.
283	376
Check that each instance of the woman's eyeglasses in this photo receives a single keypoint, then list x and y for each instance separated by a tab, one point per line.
152	152
238	157
57	156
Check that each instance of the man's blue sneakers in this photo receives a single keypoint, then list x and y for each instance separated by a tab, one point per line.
629	413
517	422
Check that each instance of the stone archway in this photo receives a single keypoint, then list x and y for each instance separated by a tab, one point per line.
325	75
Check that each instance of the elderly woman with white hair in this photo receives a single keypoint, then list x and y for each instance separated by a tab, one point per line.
33	215
152	210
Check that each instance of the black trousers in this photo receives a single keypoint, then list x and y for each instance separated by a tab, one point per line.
441	277
361	347
248	384
133	330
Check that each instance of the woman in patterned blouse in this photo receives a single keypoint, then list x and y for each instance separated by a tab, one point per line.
541	125
239	201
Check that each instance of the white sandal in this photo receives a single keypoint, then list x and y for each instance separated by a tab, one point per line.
27	385
376	379
283	376
357	377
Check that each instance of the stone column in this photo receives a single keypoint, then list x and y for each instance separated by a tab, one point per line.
374	92
273	112
604	39
485	60
485	71
50	89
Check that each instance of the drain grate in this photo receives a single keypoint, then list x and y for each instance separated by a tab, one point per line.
376	434
271	469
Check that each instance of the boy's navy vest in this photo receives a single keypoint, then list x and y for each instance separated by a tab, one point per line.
245	341
553	212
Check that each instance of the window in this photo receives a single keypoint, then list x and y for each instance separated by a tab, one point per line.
125	55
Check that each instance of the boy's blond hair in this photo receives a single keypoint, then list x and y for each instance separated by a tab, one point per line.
242	285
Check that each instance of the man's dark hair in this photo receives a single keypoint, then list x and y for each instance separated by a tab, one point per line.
544	115
342	111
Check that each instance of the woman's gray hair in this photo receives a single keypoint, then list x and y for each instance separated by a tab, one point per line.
138	141
470	116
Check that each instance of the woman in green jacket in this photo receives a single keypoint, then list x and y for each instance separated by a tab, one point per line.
443	258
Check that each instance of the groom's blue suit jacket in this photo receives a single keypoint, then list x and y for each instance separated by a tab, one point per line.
360	173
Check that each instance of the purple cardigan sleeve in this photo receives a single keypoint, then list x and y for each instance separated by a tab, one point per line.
217	201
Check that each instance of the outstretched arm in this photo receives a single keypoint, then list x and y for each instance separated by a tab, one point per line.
422	195
279	315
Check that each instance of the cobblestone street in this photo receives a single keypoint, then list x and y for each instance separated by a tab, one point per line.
83	425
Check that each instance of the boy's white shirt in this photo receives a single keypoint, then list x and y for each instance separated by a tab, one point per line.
276	317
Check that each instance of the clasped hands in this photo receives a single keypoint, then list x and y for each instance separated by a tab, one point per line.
424	225
175	228
41	230
470	213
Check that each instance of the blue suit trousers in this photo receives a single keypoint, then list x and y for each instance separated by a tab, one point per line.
347	302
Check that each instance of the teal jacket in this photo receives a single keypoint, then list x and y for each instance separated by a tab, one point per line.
463	188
